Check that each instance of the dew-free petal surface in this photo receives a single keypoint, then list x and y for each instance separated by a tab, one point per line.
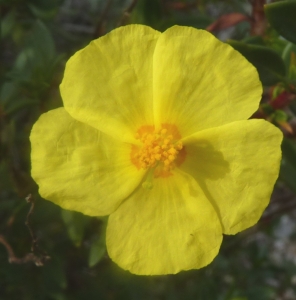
170	228
78	167
236	165
200	82
108	84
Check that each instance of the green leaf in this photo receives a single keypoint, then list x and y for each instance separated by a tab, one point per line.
8	92
98	246
18	105
269	64
39	49
35	63
288	166
286	55
41	40
76	224
8	23
289	57
282	16
97	250
42	13
288	175
201	21
292	107
147	12
254	40
274	41
280	116
289	152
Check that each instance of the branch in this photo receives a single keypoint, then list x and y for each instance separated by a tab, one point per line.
30	257
37	256
99	31
127	13
34	246
258	17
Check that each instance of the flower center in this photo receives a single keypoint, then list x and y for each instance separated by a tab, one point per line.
161	149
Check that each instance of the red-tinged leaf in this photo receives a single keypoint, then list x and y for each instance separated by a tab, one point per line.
282	100
227	21
285	126
181	5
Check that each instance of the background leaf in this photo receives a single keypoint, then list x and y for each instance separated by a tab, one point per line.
97	248
76	224
38	37
269	64
281	16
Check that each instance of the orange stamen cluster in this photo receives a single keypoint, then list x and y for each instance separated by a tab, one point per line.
160	149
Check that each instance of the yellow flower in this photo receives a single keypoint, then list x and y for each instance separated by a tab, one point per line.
154	133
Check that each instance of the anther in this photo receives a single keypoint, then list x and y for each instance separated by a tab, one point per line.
159	151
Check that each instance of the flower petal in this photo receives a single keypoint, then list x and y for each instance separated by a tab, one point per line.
170	228
108	84
200	82
78	167
236	165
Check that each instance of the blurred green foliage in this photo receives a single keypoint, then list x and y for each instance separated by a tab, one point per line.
37	38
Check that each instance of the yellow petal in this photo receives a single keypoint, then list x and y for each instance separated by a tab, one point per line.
236	165
78	167
164	230
200	82
108	84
